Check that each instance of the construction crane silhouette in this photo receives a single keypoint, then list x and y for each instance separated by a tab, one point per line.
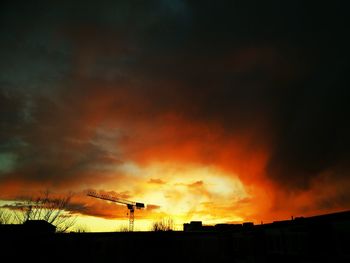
130	205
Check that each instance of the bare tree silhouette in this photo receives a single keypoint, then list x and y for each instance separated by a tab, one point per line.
165	224
80	229
45	207
123	228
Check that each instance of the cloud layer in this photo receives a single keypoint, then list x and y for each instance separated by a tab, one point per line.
94	95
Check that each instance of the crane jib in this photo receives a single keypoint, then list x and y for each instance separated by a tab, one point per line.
108	197
130	205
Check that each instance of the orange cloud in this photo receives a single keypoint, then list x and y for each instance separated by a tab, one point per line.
156	181
194	136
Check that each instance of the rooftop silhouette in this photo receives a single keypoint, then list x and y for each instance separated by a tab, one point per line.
321	238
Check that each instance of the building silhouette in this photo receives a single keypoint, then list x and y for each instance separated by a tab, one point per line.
323	238
28	227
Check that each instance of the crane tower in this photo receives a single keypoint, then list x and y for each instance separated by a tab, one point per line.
130	205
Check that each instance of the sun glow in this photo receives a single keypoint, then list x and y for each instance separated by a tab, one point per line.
184	192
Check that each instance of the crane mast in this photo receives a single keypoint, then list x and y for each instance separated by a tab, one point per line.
130	205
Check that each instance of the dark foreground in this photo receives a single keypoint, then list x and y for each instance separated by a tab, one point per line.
318	239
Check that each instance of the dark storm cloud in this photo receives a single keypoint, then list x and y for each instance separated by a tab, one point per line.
295	80
278	68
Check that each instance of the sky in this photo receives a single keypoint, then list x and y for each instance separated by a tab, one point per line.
218	111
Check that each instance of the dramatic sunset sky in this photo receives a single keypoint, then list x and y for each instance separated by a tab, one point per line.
219	111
